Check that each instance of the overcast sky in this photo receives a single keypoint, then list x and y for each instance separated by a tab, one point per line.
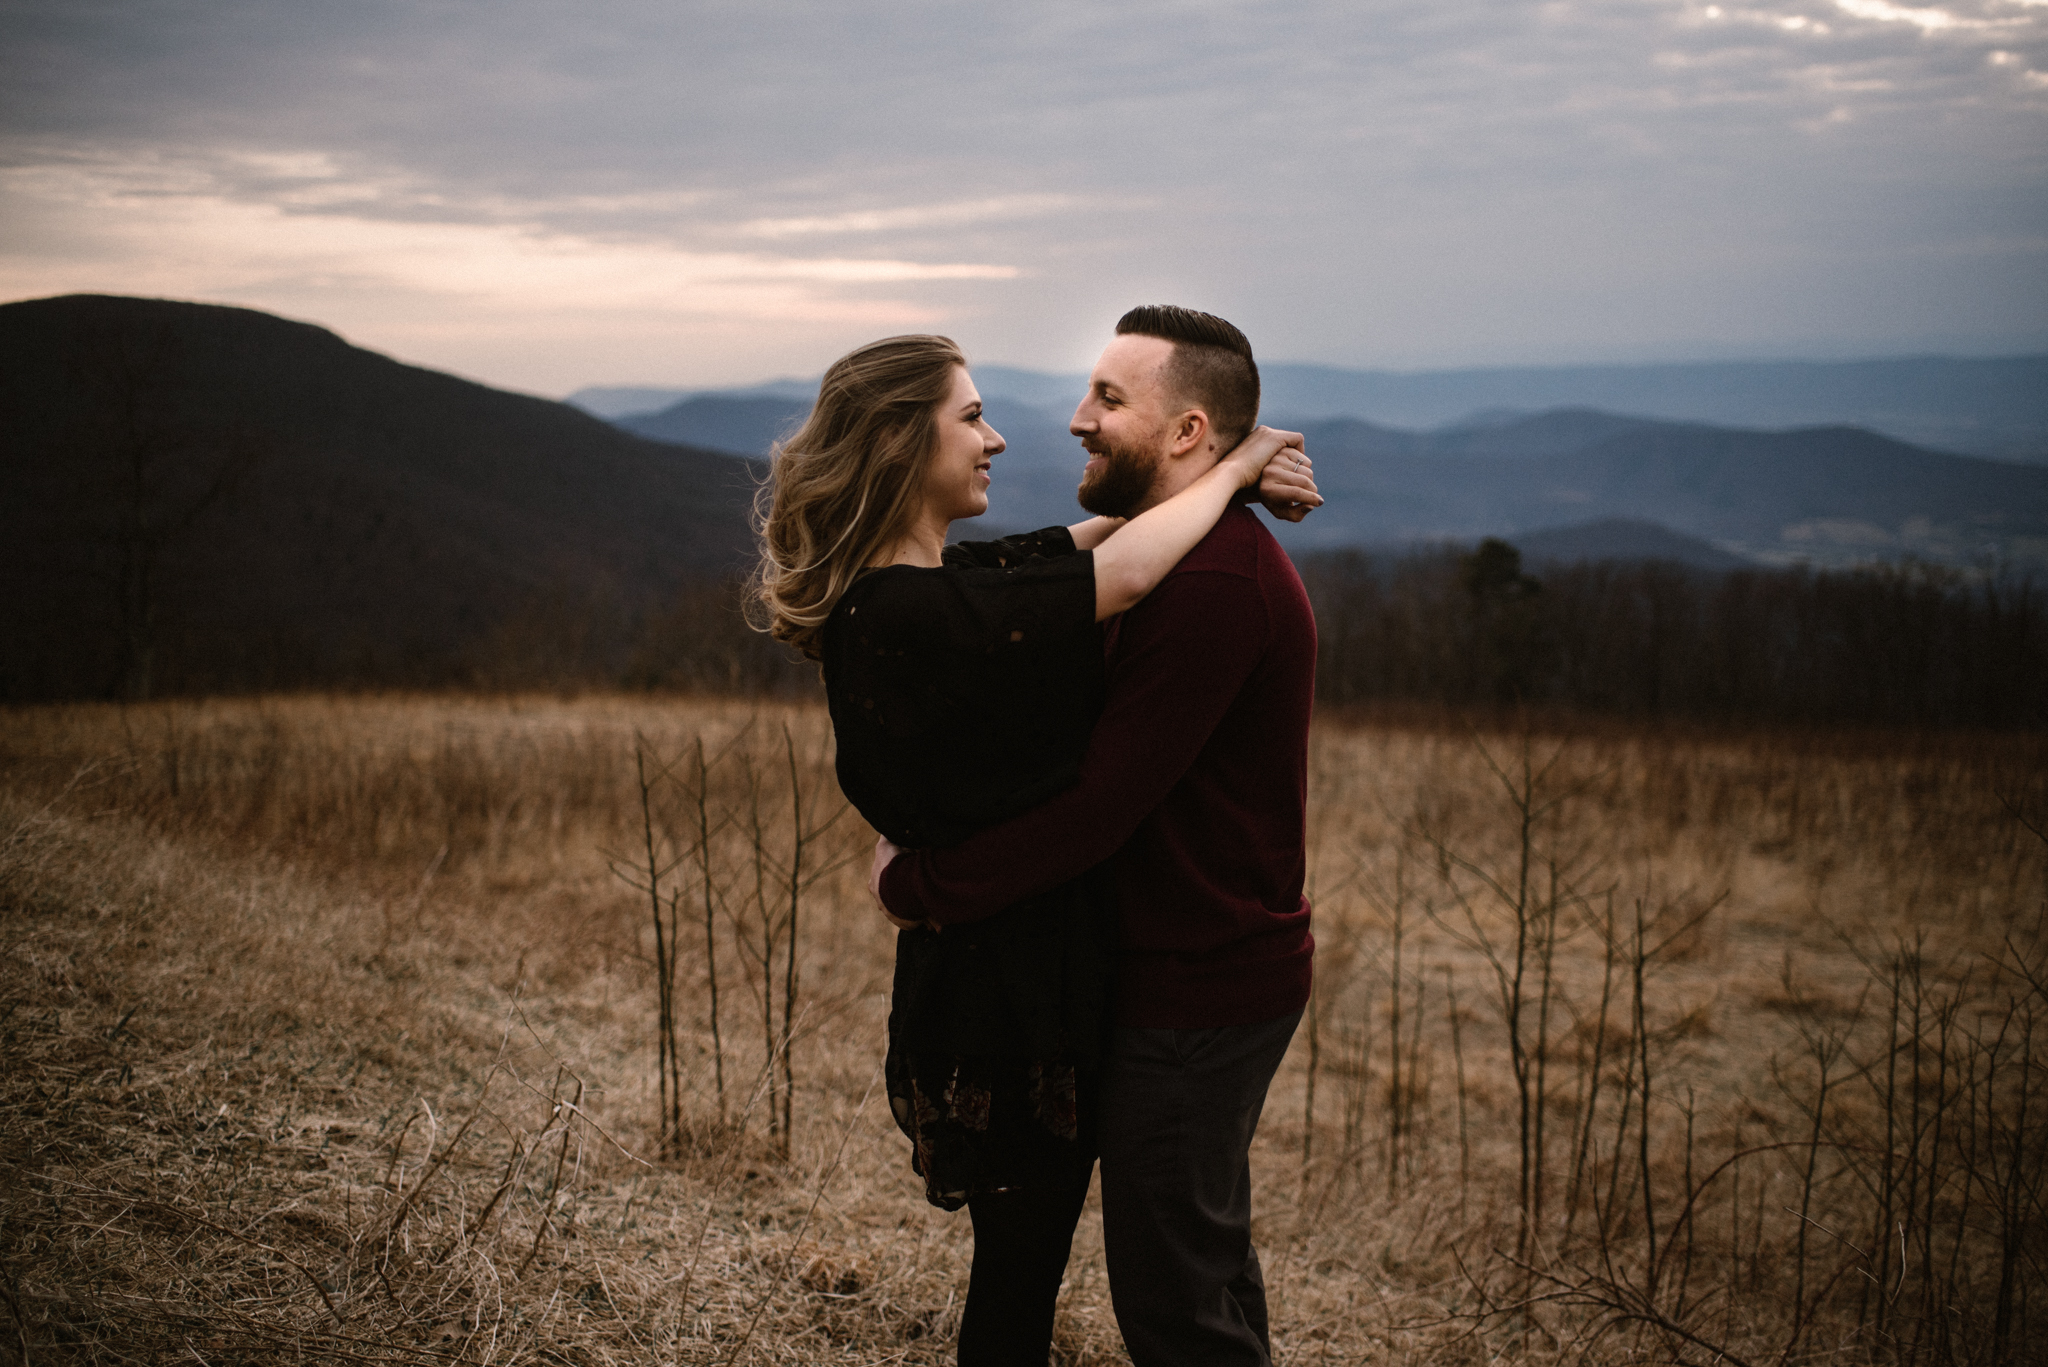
547	195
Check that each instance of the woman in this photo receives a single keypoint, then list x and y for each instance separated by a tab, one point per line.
963	682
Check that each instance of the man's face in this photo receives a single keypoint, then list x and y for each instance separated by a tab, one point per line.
1126	424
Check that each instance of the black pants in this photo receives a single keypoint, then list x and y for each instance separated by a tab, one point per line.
1179	1108
1021	1241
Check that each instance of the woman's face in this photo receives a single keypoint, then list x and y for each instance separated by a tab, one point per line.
956	480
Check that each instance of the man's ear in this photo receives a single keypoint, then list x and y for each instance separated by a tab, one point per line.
1190	433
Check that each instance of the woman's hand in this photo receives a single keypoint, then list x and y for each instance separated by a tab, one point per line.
886	850
1250	457
1287	486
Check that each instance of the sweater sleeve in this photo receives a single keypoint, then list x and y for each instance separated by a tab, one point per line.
1182	656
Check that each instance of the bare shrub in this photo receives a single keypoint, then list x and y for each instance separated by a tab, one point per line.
330	1034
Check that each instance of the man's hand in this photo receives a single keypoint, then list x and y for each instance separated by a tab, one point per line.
886	850
1287	486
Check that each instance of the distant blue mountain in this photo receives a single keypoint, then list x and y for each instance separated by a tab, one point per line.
1995	407
612	402
725	422
1825	495
1622	539
615	403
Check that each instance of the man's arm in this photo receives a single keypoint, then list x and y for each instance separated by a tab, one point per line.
1181	660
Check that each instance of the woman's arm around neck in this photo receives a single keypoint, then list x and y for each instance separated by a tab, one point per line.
1131	560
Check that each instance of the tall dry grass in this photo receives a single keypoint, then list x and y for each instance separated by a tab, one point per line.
381	1030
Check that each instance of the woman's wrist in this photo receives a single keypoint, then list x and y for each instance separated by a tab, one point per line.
1246	471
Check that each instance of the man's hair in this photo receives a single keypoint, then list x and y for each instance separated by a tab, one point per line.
1211	366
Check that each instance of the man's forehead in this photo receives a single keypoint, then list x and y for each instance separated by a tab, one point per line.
1132	359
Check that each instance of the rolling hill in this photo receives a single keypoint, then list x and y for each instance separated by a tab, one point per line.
225	498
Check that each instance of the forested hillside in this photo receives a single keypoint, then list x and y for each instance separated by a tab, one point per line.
195	497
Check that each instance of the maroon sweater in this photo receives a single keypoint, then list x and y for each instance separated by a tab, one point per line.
1196	780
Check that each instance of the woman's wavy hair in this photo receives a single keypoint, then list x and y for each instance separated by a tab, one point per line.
848	483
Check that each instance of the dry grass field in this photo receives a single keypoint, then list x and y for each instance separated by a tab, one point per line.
356	1030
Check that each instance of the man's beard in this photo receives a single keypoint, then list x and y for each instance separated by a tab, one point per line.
1120	486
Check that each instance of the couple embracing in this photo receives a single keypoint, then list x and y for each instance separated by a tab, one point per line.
1085	750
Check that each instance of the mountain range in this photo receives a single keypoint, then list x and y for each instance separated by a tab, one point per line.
1995	407
202	497
1823	495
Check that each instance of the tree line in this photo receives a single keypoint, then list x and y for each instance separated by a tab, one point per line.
1908	644
1903	645
1893	645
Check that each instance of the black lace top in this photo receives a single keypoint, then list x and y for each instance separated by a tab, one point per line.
962	696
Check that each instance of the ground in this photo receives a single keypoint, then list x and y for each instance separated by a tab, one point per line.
332	1031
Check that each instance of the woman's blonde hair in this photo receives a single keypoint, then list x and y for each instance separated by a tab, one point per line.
849	483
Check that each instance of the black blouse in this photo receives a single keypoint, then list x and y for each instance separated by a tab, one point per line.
963	696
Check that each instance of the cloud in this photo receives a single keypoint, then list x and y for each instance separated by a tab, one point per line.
160	230
1411	183
1927	20
181	226
955	215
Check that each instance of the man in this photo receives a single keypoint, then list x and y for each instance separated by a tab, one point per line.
1196	781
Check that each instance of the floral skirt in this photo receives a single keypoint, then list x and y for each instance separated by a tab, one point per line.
996	1033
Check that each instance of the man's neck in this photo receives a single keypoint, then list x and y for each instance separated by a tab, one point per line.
1175	475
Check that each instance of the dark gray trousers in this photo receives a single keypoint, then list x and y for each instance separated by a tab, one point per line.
1178	1111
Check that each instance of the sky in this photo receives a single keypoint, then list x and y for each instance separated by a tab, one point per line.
545	196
